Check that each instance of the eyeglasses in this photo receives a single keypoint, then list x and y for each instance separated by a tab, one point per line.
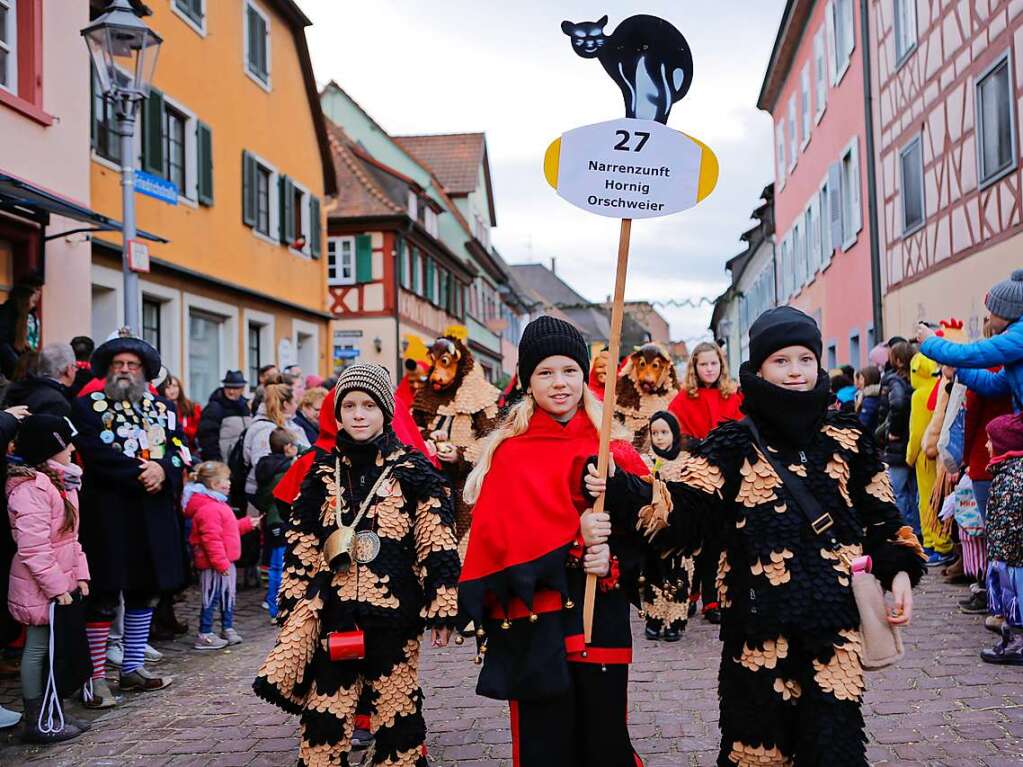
123	365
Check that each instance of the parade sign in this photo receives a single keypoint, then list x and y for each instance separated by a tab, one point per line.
636	167
630	169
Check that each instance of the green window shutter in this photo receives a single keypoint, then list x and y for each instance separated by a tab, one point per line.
431	269
286	195
400	254
248	189
204	155
315	226
152	133
363	258
417	279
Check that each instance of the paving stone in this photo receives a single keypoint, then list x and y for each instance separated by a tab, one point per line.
940	706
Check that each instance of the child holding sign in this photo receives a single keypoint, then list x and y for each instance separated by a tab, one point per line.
531	547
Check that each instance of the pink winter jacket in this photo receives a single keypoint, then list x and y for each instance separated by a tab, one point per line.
216	534
48	562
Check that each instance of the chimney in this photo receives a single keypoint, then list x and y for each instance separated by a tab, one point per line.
554	265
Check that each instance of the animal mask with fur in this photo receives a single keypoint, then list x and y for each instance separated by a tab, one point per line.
651	370
449	362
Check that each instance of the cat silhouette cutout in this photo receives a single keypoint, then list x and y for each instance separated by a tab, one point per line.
646	56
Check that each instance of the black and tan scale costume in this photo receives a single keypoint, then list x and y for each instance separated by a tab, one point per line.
410	585
790	679
667	576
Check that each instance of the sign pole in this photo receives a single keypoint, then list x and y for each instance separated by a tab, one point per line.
610	381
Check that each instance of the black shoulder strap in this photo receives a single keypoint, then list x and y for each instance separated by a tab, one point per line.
811	509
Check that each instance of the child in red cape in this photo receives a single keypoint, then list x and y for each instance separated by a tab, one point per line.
533	542
709	397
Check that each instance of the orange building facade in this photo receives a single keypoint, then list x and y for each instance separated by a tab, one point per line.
233	130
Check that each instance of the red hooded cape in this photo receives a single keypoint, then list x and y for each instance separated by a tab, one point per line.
529	507
698	416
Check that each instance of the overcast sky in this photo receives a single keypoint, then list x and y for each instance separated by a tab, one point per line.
507	69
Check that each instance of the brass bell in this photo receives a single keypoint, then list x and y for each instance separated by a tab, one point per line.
533	617
459	639
642	614
641	580
569	604
478	660
506	624
480	633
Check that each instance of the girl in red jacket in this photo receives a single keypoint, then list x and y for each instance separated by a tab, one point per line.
216	545
708	398
534	539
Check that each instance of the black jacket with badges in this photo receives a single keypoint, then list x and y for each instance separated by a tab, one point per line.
131	537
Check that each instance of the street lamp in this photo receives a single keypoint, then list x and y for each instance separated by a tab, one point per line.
124	51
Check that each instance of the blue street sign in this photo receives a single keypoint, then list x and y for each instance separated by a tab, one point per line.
346	354
154	186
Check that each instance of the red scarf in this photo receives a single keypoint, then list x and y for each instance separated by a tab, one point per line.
531	498
699	415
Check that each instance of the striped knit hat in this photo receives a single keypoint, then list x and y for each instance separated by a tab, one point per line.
369	378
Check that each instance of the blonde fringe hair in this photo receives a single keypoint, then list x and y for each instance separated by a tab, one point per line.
725	384
207	472
275	396
515	423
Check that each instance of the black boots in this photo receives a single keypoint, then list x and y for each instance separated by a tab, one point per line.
31	732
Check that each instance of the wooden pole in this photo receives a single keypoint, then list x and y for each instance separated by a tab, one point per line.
610	381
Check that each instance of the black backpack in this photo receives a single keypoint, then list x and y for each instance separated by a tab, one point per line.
239	468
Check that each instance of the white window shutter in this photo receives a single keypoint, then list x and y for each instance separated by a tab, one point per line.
829	54
850	27
835	204
857	214
815	235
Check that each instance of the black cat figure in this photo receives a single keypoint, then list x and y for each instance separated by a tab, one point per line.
646	56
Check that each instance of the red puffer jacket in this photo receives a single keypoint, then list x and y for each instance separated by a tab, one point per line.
216	535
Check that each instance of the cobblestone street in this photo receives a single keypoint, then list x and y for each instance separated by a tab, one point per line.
940	707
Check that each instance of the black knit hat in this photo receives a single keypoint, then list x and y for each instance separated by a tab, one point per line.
105	353
777	328
40	437
546	337
369	378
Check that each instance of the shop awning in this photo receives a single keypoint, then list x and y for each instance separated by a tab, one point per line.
26	200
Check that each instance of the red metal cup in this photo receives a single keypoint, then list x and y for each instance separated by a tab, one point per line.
346	645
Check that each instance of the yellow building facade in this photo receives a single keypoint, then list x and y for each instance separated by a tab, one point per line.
233	130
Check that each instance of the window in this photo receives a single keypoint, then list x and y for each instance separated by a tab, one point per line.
785	273
850	195
809	237
841	36
804	103
995	145
174	148
832	354
151	322
798	257
405	256
813	232
340	260
257	43
912	166
905	29
854	349
193	12
431	222
298	210
413	205
8	46
793	138
779	139
263	183
105	142
204	347
255	350
820	71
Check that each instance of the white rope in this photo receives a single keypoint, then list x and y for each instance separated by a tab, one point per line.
51	698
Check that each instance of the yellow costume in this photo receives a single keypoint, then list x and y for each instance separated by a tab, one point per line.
922	376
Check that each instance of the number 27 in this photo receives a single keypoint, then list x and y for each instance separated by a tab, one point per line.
623	144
